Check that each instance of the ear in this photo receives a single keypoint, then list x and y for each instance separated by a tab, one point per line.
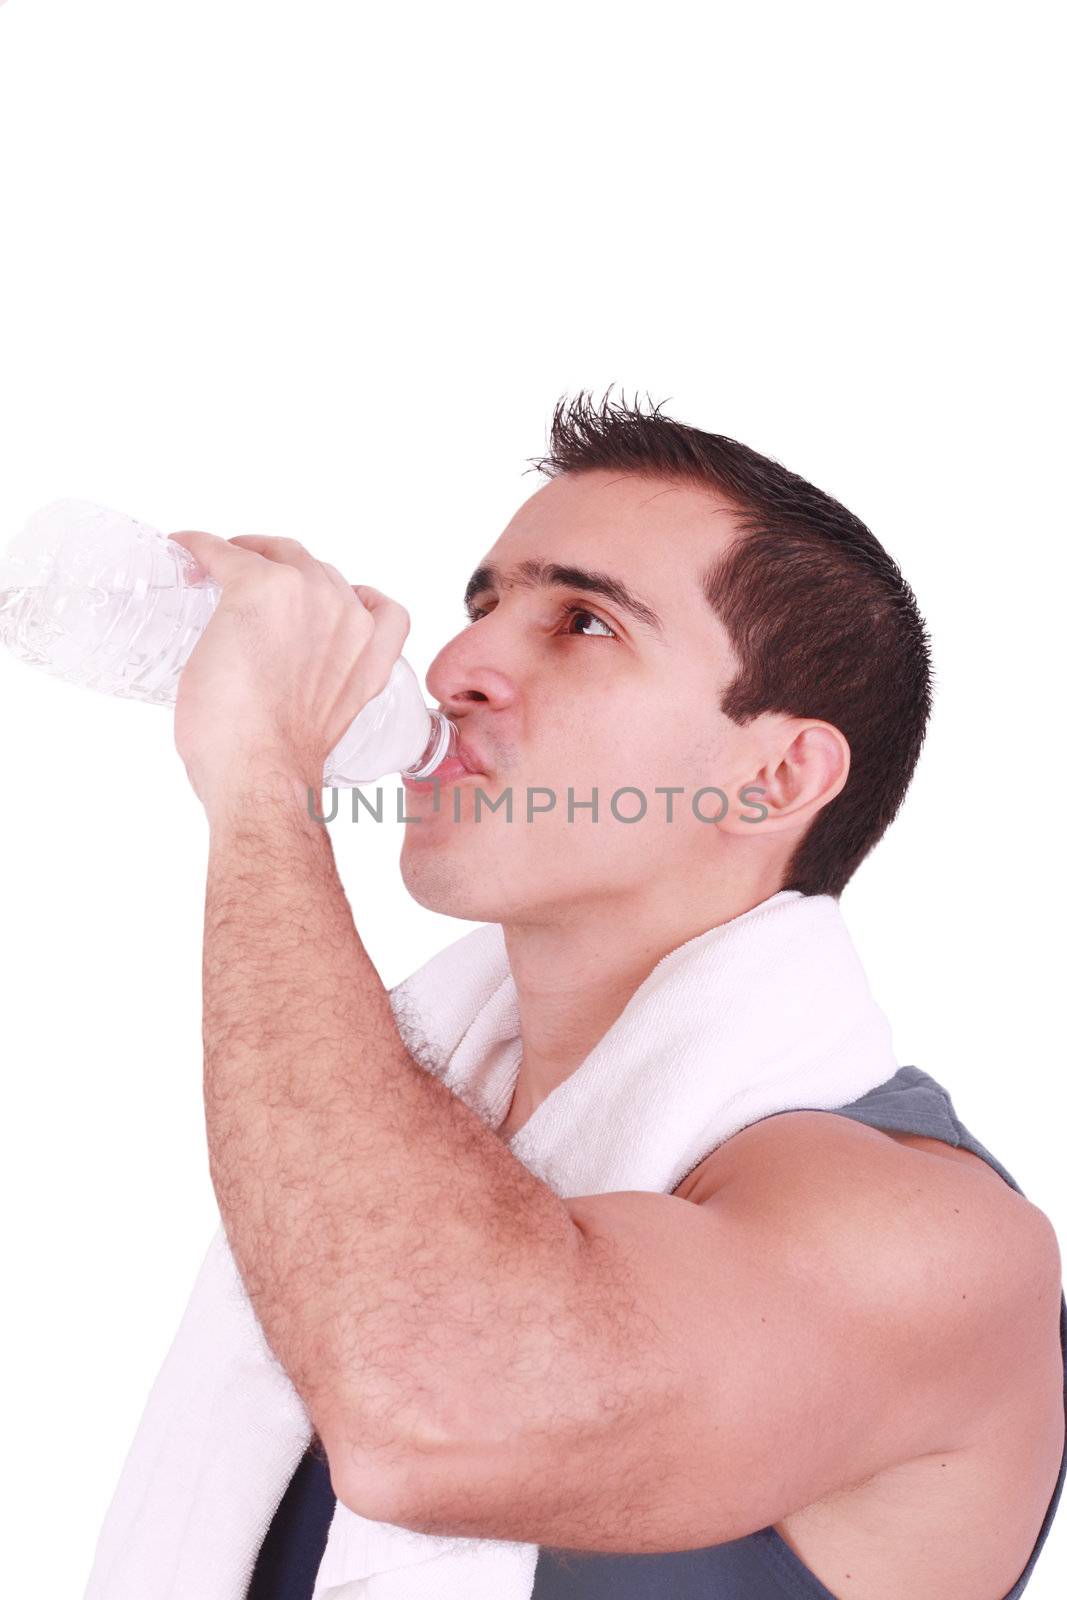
796	781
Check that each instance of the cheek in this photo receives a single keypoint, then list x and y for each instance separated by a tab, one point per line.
596	753
631	731
594	722
664	748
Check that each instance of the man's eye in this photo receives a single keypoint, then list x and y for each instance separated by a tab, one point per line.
581	611
569	612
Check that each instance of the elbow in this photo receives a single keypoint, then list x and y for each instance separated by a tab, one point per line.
369	1485
387	1483
376	1495
425	1468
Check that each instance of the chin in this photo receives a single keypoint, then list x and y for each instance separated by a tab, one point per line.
448	886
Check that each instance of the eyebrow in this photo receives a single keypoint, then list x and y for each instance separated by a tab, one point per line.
535	574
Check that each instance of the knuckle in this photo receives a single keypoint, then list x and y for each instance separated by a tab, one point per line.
285	577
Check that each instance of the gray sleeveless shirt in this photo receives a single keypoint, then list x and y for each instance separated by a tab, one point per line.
760	1566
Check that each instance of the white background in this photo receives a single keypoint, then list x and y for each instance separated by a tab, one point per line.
322	270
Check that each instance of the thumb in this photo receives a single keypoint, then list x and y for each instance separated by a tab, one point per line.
391	627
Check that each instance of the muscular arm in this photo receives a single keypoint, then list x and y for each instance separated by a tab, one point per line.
626	1371
389	1241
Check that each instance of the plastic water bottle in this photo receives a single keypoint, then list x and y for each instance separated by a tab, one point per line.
96	598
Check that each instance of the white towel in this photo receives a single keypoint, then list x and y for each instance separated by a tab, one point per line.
767	1012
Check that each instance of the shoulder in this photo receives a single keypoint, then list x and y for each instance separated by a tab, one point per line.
930	1238
826	1153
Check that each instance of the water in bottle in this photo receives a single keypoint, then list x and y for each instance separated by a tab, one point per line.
102	600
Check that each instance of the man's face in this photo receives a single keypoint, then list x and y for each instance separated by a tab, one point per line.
563	689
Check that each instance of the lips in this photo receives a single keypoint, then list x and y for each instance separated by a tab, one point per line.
470	758
464	762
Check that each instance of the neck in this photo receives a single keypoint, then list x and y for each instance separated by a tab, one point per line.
575	974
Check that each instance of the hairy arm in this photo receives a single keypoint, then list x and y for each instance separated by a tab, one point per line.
827	1306
627	1371
382	1230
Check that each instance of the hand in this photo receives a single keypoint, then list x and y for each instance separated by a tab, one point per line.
291	655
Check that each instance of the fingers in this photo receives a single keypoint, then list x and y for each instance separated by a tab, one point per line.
335	577
391	627
218	557
259	547
389	616
289	551
225	559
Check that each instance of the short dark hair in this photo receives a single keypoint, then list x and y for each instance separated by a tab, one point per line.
821	620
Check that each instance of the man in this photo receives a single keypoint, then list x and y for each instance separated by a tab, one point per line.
670	609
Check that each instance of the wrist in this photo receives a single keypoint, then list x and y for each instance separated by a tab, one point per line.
261	792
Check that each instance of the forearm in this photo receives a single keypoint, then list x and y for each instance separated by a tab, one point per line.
396	1253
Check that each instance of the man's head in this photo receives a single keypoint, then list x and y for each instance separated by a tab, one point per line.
752	632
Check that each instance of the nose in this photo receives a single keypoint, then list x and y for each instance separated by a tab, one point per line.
461	675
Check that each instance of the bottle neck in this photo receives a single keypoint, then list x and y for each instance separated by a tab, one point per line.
444	737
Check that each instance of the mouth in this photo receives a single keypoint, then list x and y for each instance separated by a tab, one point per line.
455	769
